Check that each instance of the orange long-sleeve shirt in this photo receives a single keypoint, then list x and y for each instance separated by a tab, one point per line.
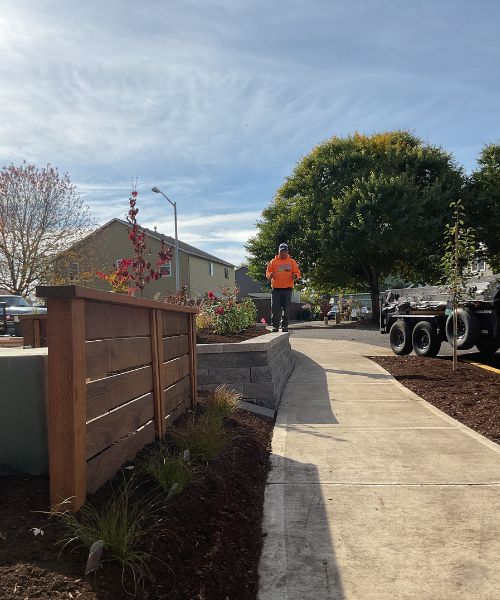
284	269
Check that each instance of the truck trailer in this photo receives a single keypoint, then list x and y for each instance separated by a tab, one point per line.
420	318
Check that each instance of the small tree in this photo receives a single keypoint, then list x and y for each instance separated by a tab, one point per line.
132	274
457	262
41	215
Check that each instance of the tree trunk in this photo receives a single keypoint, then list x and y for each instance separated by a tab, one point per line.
372	280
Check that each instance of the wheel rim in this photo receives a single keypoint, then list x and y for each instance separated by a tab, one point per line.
423	340
460	329
399	339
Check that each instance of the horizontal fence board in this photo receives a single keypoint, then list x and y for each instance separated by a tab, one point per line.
105	465
111	427
177	412
95	295
110	320
175	346
105	394
120	354
175	369
175	394
174	323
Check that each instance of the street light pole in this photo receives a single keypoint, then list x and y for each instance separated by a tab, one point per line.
174	204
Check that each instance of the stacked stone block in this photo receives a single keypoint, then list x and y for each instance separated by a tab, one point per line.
258	368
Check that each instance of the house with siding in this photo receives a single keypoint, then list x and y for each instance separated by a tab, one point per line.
104	248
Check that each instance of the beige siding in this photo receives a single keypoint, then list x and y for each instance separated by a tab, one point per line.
111	244
200	280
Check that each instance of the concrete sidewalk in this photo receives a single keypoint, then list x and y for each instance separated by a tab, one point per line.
374	494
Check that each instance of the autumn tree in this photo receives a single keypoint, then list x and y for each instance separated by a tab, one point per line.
41	216
360	208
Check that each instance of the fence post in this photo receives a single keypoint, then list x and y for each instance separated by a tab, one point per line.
157	363
67	401
192	358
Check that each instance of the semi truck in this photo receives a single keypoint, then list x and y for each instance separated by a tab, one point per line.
420	319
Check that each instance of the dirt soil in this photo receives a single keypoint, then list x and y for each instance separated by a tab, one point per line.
470	394
205	336
206	544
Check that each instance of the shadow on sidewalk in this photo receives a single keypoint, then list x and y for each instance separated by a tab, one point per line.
298	561
359	373
306	393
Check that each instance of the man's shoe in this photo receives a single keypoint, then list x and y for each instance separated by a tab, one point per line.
284	329
275	329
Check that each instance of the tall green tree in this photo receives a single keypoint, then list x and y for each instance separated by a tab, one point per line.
360	208
483	202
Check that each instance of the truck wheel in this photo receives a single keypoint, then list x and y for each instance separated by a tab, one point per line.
487	346
467	329
425	340
400	338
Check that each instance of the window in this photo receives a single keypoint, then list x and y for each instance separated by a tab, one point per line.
226	272
166	269
211	269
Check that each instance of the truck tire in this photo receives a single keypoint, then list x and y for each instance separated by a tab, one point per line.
487	346
425	340
468	329
400	338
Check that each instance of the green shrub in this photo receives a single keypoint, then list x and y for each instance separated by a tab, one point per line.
204	438
224	314
222	402
170	471
118	522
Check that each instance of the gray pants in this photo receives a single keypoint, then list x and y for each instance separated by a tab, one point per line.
280	305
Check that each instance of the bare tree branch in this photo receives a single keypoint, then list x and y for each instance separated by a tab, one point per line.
41	216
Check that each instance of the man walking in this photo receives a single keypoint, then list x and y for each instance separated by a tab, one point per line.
282	271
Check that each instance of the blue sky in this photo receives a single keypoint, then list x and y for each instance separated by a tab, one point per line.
214	101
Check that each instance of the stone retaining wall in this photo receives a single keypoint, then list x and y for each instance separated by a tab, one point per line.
258	368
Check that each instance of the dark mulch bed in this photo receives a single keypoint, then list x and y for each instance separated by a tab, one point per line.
208	539
470	394
205	336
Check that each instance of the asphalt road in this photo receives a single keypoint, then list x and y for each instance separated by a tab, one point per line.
366	335
371	335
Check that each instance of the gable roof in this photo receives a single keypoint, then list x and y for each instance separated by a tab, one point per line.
186	248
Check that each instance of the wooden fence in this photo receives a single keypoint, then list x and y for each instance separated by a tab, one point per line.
34	330
120	370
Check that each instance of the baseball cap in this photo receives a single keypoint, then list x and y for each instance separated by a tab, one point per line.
283	247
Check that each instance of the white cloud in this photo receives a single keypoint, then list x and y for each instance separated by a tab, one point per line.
214	102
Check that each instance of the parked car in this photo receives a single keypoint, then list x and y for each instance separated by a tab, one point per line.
332	312
15	306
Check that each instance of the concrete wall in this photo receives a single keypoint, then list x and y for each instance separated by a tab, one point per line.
258	368
23	418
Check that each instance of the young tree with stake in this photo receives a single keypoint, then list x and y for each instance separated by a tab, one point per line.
457	262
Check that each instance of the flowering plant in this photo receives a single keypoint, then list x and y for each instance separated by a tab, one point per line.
223	314
180	298
132	274
119	279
